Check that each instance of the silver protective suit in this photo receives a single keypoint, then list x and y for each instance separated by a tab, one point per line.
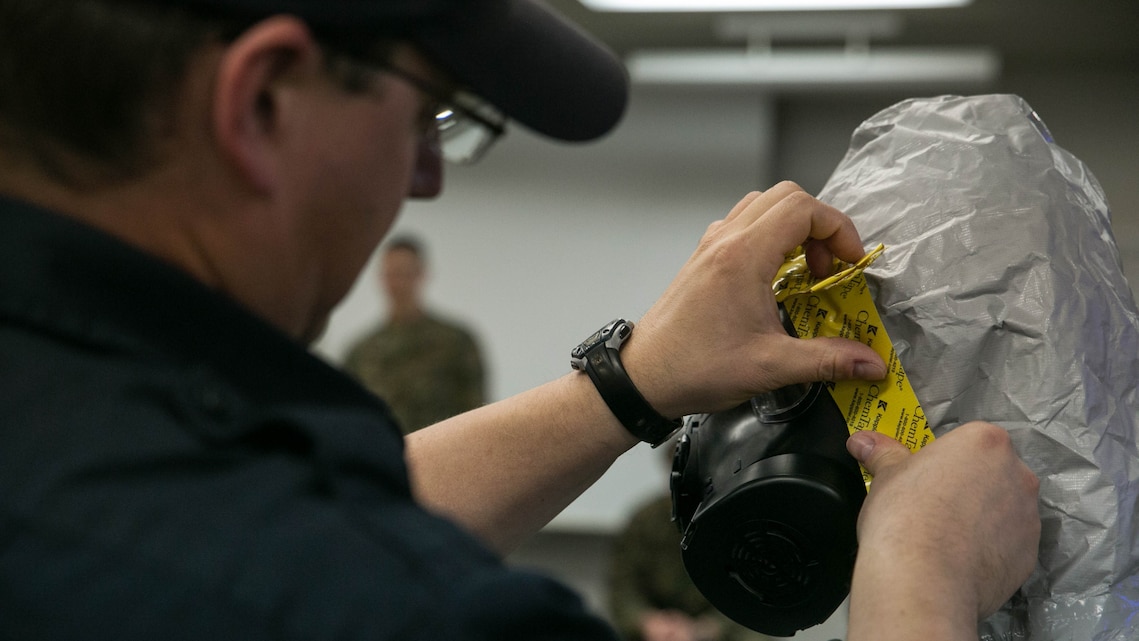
1003	292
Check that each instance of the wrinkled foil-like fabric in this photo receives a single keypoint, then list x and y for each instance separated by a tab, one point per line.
1003	292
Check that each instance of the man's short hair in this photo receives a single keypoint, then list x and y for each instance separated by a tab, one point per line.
91	81
103	91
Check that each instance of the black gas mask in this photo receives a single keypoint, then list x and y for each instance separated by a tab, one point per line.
767	499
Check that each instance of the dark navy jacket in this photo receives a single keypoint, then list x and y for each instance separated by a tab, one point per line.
172	467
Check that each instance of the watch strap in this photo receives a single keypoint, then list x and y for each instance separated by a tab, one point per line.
603	364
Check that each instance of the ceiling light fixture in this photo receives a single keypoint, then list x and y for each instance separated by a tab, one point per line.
766	5
933	68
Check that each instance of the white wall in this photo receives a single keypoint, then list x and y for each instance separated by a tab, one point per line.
540	244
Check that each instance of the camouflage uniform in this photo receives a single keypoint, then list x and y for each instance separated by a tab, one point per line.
648	574
426	370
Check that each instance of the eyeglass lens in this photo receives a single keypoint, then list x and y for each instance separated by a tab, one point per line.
463	139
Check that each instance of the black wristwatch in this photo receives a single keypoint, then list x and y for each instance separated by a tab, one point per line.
600	357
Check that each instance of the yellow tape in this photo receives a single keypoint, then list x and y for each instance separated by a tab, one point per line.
841	305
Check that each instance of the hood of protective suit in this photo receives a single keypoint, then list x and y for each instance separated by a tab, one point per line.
1003	292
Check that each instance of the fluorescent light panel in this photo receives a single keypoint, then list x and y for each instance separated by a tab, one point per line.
766	5
895	68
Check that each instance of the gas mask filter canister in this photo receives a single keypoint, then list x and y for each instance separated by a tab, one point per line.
767	499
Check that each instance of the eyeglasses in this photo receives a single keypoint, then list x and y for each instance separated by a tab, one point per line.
465	125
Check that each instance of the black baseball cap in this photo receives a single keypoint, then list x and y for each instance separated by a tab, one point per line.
518	55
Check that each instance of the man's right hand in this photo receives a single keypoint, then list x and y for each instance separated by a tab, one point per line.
714	339
946	535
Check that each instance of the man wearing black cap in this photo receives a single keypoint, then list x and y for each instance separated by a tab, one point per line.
189	187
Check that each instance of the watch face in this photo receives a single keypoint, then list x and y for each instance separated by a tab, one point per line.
599	337
593	339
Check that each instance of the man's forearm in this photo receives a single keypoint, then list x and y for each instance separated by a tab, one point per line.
505	469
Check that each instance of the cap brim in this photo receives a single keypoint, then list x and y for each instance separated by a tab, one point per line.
536	67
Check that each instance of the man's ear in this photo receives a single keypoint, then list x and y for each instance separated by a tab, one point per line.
248	95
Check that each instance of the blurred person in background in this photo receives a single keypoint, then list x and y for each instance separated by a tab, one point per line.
425	367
